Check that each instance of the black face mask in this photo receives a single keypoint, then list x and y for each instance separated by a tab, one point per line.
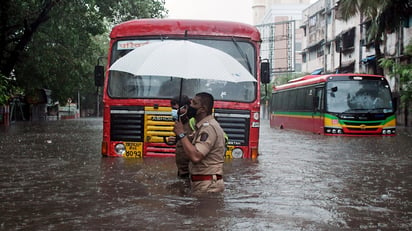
184	118
191	112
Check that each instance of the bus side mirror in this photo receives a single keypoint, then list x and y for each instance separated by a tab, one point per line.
265	72
98	76
395	103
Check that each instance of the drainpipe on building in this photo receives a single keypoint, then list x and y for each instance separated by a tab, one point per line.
399	47
361	44
340	55
325	55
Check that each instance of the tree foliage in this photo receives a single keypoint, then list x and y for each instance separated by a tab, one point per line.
403	70
386	15
54	44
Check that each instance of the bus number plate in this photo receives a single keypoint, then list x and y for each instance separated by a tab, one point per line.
133	149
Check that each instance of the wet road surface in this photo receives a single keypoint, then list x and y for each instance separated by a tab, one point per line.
52	177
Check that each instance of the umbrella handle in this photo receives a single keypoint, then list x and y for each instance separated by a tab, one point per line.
169	142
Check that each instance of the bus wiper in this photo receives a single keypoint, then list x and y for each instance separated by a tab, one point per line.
381	109
242	54
356	110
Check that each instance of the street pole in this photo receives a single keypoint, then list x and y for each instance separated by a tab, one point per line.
97	101
340	55
97	89
78	102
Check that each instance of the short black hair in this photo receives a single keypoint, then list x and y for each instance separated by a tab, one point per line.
207	101
180	100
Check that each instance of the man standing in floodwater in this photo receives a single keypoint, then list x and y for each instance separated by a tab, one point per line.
206	151
179	109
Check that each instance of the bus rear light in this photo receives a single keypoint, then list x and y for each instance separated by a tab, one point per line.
237	153
120	149
104	148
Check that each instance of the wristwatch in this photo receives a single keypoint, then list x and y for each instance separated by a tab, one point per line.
181	135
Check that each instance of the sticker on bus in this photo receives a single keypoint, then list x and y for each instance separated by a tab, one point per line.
132	44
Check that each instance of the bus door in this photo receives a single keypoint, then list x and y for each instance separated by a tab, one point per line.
317	112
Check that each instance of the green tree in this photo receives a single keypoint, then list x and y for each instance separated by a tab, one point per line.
385	16
62	52
55	43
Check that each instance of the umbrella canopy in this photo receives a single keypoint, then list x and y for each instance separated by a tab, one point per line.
183	59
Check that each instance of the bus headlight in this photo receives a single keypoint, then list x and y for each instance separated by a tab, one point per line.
388	131
237	153
120	149
334	131
256	116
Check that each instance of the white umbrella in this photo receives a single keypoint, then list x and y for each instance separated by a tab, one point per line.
183	59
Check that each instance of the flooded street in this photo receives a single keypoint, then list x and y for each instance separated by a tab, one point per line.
52	177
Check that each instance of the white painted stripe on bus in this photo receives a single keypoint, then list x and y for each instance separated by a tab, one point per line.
126	112
232	115
158	113
168	113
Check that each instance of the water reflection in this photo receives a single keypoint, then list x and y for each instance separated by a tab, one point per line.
53	177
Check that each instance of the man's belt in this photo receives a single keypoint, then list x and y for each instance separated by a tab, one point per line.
204	177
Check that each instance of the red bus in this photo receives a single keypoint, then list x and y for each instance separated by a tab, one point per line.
137	113
335	104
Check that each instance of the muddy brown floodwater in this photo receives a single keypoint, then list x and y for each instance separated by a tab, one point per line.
52	177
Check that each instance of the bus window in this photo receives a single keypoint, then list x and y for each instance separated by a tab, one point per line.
318	102
358	96
124	85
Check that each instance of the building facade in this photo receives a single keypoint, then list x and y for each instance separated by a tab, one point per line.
279	21
331	45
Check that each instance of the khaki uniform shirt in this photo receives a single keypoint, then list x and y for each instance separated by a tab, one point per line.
210	141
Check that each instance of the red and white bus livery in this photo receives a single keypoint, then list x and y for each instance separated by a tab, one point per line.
137	113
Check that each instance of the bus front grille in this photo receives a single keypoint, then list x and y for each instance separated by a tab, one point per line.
158	125
362	129
126	123
363	122
159	149
235	123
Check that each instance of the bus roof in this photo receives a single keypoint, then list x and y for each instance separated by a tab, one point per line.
313	79
180	27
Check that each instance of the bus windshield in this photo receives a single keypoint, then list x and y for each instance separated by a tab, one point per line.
365	96
124	85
